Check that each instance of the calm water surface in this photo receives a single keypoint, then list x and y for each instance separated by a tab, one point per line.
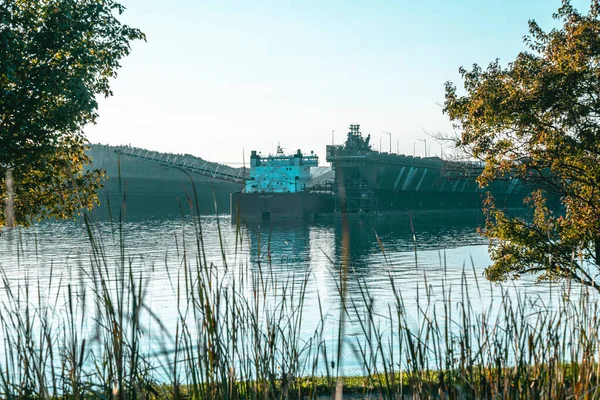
438	255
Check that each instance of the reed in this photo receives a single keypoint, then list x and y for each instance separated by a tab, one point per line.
240	333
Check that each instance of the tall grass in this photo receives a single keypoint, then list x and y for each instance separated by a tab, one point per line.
240	333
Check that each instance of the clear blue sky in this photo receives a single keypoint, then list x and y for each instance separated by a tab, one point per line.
217	77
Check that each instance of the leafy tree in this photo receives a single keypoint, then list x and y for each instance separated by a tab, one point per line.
538	120
56	56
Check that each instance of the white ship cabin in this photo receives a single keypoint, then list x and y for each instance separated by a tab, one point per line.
280	173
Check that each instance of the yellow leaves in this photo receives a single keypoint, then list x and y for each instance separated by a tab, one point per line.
536	119
59	189
51	97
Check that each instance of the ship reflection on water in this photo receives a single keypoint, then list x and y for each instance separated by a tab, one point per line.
371	242
282	243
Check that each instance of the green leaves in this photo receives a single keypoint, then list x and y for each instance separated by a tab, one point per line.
56	56
538	119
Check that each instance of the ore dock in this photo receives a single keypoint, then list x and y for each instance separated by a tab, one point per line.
371	182
359	182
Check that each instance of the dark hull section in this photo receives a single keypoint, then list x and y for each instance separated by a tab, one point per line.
386	201
274	206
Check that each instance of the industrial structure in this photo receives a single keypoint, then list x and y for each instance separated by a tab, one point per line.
360	181
368	181
205	168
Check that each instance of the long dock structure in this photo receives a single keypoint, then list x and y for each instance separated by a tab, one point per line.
212	170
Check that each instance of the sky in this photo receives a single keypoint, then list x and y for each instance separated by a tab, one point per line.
217	79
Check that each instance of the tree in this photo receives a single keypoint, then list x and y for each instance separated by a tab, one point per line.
538	120
56	56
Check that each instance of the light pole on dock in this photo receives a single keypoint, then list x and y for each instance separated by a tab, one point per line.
390	135
424	142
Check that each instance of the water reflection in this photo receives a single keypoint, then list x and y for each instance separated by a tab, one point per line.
291	241
280	243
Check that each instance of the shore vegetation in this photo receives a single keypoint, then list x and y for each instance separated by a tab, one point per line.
536	122
240	333
56	56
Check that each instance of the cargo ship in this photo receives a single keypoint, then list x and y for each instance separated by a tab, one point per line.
282	186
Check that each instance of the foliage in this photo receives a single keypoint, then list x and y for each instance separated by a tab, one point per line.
538	120
55	57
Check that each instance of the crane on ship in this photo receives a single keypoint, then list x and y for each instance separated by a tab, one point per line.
205	168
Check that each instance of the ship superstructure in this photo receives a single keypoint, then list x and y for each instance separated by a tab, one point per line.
280	173
284	186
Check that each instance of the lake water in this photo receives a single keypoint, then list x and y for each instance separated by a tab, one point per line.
437	256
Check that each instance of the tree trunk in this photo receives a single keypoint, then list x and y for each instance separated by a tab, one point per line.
10	204
598	251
